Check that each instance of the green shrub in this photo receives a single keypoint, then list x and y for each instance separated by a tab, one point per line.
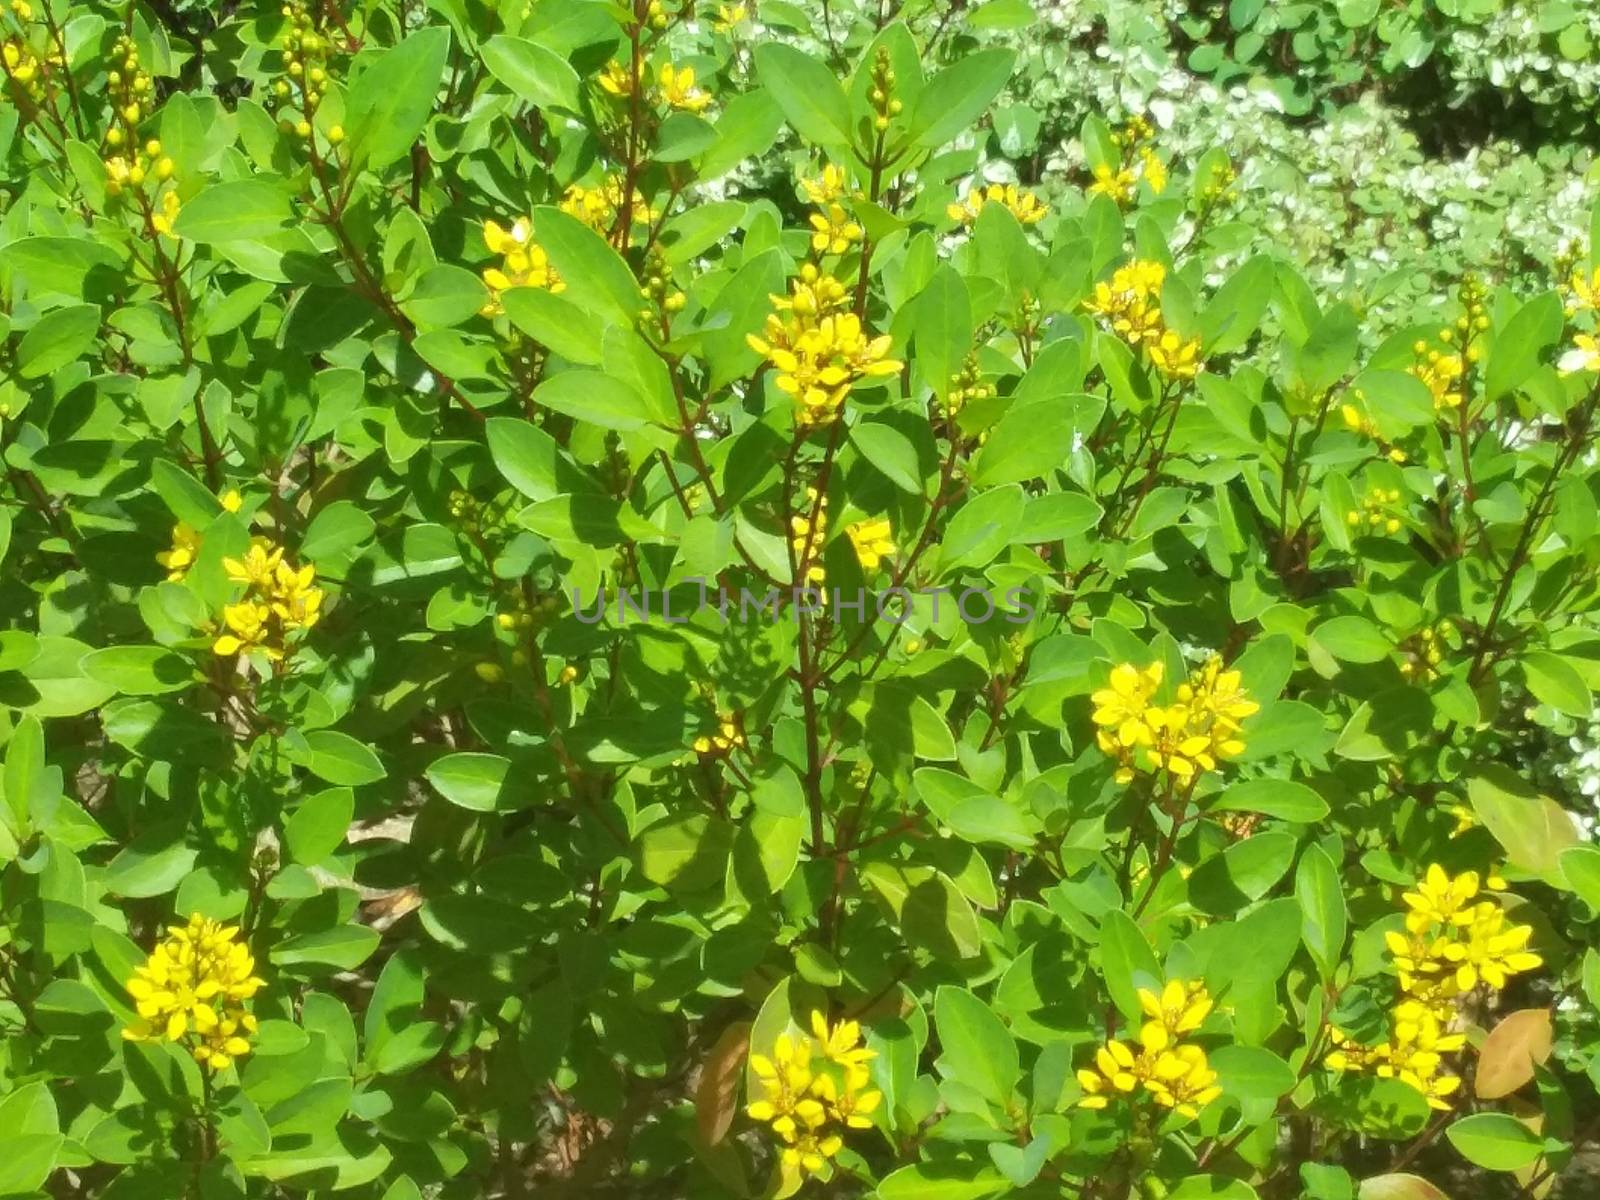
599	609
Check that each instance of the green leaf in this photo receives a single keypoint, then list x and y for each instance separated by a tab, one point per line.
1495	1141
345	947
807	91
556	323
976	1049
1280	798
595	397
140	670
942	1181
1533	828
1555	681
941	329
24	767
319	825
597	279
951	101
1323	915
1352	639
1252	1074
57	339
889	452
1515	351
26	1161
442	296
390	102
335	531
1030	442
1128	963
338	758
470	780
152	864
540	76
239	210
1579	870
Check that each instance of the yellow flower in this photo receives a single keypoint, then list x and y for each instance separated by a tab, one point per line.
162	221
525	263
617	80
247	629
295	602
1181	1079
192	989
1130	301
827	187
833	230
873	541
1120	712
1440	373
1180	1008
1152	170
257	567
185	549
809	1103
728	16
1440	899
1585	290
1116	182
1584	355
597	207
678	89
808	537
1116	1070
1493	951
1173	356
231	500
1183	738
1023	205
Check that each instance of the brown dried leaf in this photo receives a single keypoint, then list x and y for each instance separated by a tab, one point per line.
1399	1187
716	1094
1510	1052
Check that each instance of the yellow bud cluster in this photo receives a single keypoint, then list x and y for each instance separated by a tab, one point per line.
808	536
885	105
1422	653
1163	1065
1137	162
724	739
192	991
1455	943
1184	738
968	385
1219	187
527	613
729	17
27	69
1376	512
676	88
130	88
813	1091
658	288
306	53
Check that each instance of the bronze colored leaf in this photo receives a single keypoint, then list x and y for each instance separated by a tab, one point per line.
716	1095
1511	1051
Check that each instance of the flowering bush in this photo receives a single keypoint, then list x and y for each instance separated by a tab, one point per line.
600	609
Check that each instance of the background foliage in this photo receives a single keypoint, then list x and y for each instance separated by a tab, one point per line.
1213	821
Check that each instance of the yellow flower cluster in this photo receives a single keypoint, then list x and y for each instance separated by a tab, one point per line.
729	734
1129	304
1454	941
147	167
1358	420
1023	205
280	601
1420	656
186	541
524	263
807	538
675	86
1583	296
729	17
833	229
1440	372
1136	162
873	540
598	206
813	1089
1184	738
26	69
1376	511
192	990
819	347
1173	1071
